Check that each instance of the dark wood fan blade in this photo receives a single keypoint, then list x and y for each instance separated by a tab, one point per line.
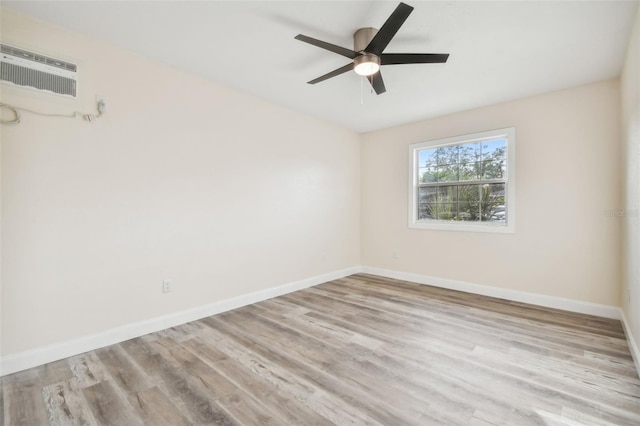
328	46
389	29
413	58
333	73
377	83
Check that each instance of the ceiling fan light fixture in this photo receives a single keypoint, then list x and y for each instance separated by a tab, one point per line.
366	64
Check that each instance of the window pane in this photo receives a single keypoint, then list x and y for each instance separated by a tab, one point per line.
472	151
447	211
493	203
427	157
447	173
494	159
427	174
496	149
447	154
447	194
493	168
427	160
427	194
427	203
469	202
427	211
469	155
467	215
470	171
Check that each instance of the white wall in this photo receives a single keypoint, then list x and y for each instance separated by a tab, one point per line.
567	178
630	97
183	179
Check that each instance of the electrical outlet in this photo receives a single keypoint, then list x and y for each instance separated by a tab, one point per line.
395	254
166	286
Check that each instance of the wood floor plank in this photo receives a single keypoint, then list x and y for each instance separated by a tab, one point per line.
247	410
362	350
87	369
22	395
66	404
108	407
205	350
155	408
54	372
123	370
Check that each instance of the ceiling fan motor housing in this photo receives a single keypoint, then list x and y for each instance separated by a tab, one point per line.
363	37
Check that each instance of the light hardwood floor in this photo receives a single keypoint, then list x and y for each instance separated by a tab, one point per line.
359	350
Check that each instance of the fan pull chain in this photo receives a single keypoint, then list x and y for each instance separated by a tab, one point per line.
361	90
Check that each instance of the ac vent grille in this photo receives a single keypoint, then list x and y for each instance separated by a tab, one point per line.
33	70
37	79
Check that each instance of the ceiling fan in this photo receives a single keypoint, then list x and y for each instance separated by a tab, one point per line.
368	47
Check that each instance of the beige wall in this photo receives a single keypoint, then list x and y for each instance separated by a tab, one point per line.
630	96
183	179
567	178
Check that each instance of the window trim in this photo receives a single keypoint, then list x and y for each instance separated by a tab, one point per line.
445	225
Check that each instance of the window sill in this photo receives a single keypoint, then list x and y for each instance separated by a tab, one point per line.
463	227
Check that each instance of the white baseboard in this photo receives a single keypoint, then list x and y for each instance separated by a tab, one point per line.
633	346
35	357
502	293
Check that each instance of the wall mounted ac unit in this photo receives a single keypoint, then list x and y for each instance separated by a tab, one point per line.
22	68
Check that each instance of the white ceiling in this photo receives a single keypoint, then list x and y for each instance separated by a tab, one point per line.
500	50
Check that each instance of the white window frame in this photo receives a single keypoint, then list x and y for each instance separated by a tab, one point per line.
509	134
